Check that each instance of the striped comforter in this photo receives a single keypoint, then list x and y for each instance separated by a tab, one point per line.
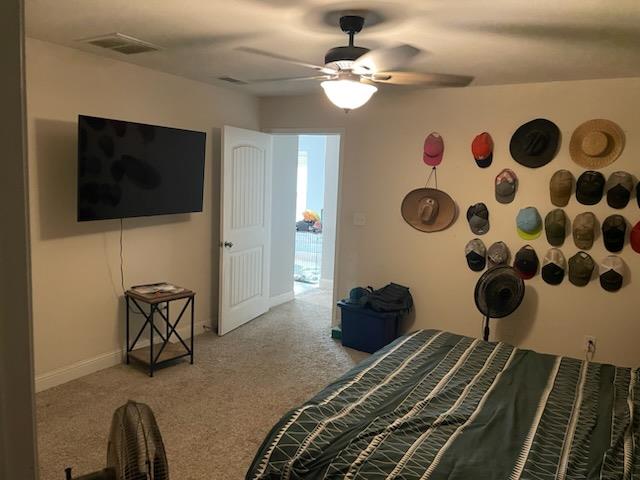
434	405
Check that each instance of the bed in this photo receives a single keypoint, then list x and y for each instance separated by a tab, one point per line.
435	405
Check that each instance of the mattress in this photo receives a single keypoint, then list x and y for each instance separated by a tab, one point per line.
435	405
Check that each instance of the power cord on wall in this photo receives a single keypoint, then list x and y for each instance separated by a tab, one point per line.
122	257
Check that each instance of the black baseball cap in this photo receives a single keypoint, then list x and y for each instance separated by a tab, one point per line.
590	187
581	267
526	262
554	266
619	188
476	254
614	231
611	273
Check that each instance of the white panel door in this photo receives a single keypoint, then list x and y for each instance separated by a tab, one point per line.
245	227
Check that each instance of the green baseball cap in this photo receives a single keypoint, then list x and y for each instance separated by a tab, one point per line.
555	225
581	267
584	230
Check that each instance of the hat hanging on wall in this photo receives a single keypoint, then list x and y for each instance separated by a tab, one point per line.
526	262
554	266
478	218
634	238
433	150
482	149
476	254
506	185
590	187
555	227
535	143
596	143
584	230
619	187
611	272
614	231
560	187
529	223
428	209
498	254
581	267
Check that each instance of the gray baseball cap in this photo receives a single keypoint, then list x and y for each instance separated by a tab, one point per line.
584	230
581	267
555	226
498	254
478	218
506	186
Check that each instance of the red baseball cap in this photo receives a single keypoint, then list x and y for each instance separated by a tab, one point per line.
635	238
482	149
433	149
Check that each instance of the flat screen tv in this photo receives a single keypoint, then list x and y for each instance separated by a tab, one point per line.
128	169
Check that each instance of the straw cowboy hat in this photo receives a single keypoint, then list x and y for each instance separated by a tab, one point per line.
596	143
428	209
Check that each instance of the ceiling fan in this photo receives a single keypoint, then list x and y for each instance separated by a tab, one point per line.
350	72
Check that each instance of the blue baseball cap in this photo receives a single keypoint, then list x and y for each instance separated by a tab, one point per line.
529	223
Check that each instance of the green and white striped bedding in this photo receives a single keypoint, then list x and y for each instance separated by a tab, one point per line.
434	405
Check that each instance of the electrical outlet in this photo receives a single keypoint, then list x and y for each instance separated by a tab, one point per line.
590	344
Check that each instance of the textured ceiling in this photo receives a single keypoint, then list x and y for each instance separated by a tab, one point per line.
497	42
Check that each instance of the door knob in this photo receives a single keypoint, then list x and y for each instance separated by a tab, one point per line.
228	244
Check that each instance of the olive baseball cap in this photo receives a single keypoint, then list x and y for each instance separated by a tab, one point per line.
560	187
580	269
611	272
590	187
614	231
526	262
505	186
478	218
498	254
529	223
554	266
584	230
555	226
619	187
476	254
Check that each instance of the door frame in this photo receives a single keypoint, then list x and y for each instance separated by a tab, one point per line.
338	250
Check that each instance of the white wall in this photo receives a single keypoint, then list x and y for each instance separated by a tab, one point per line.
18	459
331	173
77	299
382	161
283	211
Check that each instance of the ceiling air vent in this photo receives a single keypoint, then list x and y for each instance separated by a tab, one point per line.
232	80
121	43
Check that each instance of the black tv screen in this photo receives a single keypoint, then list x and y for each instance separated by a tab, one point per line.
128	169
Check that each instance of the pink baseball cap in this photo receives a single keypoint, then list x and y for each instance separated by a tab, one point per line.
433	149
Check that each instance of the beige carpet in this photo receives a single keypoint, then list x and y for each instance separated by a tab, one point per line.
213	415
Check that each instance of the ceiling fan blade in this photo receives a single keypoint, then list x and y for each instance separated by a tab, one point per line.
262	53
290	79
384	59
421	79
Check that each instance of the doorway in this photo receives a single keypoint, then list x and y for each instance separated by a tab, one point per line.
305	203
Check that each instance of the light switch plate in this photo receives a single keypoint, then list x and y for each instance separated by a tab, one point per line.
359	219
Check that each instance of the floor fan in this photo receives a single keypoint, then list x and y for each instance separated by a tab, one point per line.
498	293
135	450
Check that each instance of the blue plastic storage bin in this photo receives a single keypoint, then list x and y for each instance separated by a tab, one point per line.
367	330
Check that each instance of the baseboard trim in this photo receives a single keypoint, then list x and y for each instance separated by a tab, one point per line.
106	360
280	299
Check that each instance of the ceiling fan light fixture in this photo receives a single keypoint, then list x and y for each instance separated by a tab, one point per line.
348	94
